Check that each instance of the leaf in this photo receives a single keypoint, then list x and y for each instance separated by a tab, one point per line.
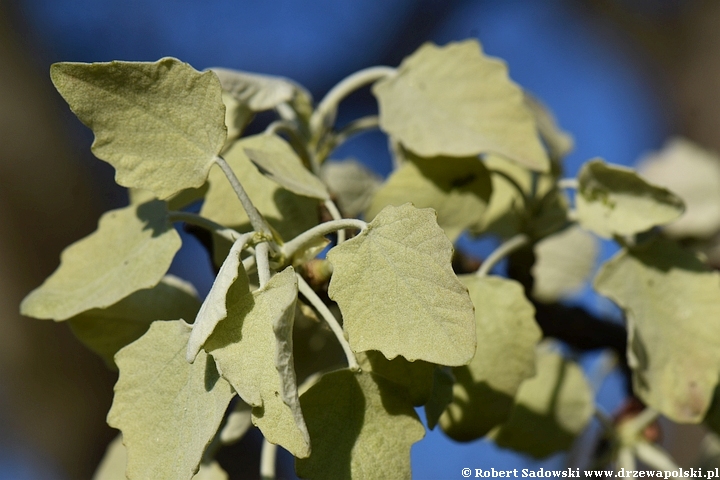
614	200
105	331
159	124
442	395
559	143
416	377
352	183
279	162
557	402
672	304
258	92
131	249
563	261
215	307
253	349
457	102
693	173
507	336
361	425
238	422
167	409
457	188
398	293
112	466
237	117
287	212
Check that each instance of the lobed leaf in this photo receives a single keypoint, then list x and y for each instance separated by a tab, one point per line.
352	183
455	101
167	409
558	142
160	124
484	389
693	173
278	161
458	189
398	293
253	350
557	401
441	396
672	304
362	427
614	200
105	331
563	261
131	249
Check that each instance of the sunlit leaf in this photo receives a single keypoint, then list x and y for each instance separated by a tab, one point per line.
361	425
214	308
159	124
352	183
113	464
507	336
416	377
455	101
237	116
107	330
131	249
253	349
563	262
398	293
167	409
457	188
279	162
287	212
258	92
557	401
614	200
693	173
672	304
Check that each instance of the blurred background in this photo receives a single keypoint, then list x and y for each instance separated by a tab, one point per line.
621	76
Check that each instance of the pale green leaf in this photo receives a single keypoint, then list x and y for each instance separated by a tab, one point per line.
159	124
563	261
279	162
455	101
131	249
557	402
362	427
288	213
352	183
238	422
215	307
558	142
458	189
416	377
253	349
167	409
441	396
507	336
613	200
709	458
398	293
693	173
672	304
113	464
105	331
237	116
258	92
